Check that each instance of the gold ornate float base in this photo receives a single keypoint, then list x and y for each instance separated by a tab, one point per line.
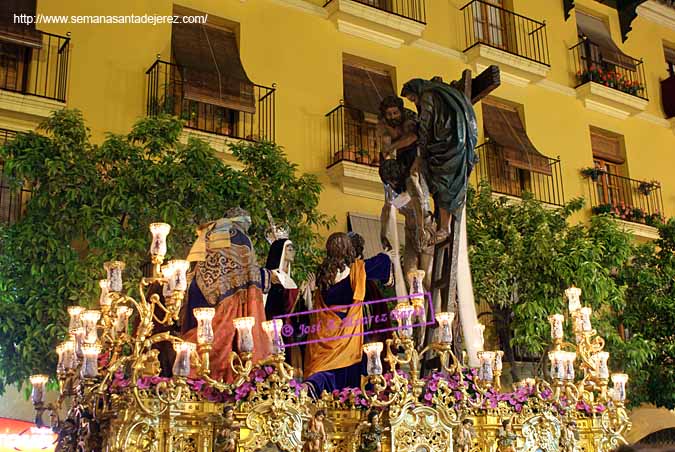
193	426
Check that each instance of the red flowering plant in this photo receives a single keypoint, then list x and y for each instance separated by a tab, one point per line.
611	78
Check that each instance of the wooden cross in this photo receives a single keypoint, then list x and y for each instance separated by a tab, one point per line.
444	271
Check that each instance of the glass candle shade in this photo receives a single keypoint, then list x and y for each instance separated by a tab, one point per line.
104	300
573	294
38	394
556	321
403	315
244	326
168	272
180	274
89	321
78	339
122	321
204	318
114	269
90	360
415	282
568	361
498	360
557	364
601	369
585	314
74	312
181	365
273	330
619	386
486	369
68	357
159	232
373	361
60	353
445	320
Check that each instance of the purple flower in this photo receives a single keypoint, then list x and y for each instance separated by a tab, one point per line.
428	396
433	386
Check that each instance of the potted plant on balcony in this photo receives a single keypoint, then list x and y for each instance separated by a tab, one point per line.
363	156
592	172
646	187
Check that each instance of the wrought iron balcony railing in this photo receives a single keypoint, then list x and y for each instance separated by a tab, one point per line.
408	9
589	66
352	138
494	26
165	94
41	72
628	199
509	180
12	201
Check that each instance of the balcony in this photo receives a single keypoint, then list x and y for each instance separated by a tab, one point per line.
34	81
634	203
495	35
546	186
388	22
353	152
617	90
12	199
215	123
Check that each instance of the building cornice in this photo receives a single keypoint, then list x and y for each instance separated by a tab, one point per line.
657	13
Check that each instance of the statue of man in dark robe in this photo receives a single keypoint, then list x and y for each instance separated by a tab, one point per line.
447	135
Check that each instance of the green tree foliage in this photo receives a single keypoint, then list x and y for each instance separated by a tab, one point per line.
650	313
93	203
524	255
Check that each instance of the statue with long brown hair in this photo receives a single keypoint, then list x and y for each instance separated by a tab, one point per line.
333	357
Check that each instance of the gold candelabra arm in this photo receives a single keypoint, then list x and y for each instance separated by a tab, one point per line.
282	368
242	366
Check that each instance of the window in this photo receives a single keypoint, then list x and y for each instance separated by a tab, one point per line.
670	60
608	156
16	44
488	22
364	87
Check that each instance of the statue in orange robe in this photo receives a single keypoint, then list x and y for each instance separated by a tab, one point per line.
228	278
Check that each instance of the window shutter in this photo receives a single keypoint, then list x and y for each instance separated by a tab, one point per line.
211	67
365	89
597	32
606	148
504	127
21	34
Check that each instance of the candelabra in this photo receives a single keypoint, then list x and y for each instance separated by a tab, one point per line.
101	344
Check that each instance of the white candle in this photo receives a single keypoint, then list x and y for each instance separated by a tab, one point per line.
586	318
180	276
90	360
273	330
168	272
498	360
114	269
569	365
89	320
78	338
159	232
485	371
573	294
204	317
602	370
38	395
374	364
181	365
68	352
556	321
244	326
619	382
74	312
445	320
557	364
104	300
403	315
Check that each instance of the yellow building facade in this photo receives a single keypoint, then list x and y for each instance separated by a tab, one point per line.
297	51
